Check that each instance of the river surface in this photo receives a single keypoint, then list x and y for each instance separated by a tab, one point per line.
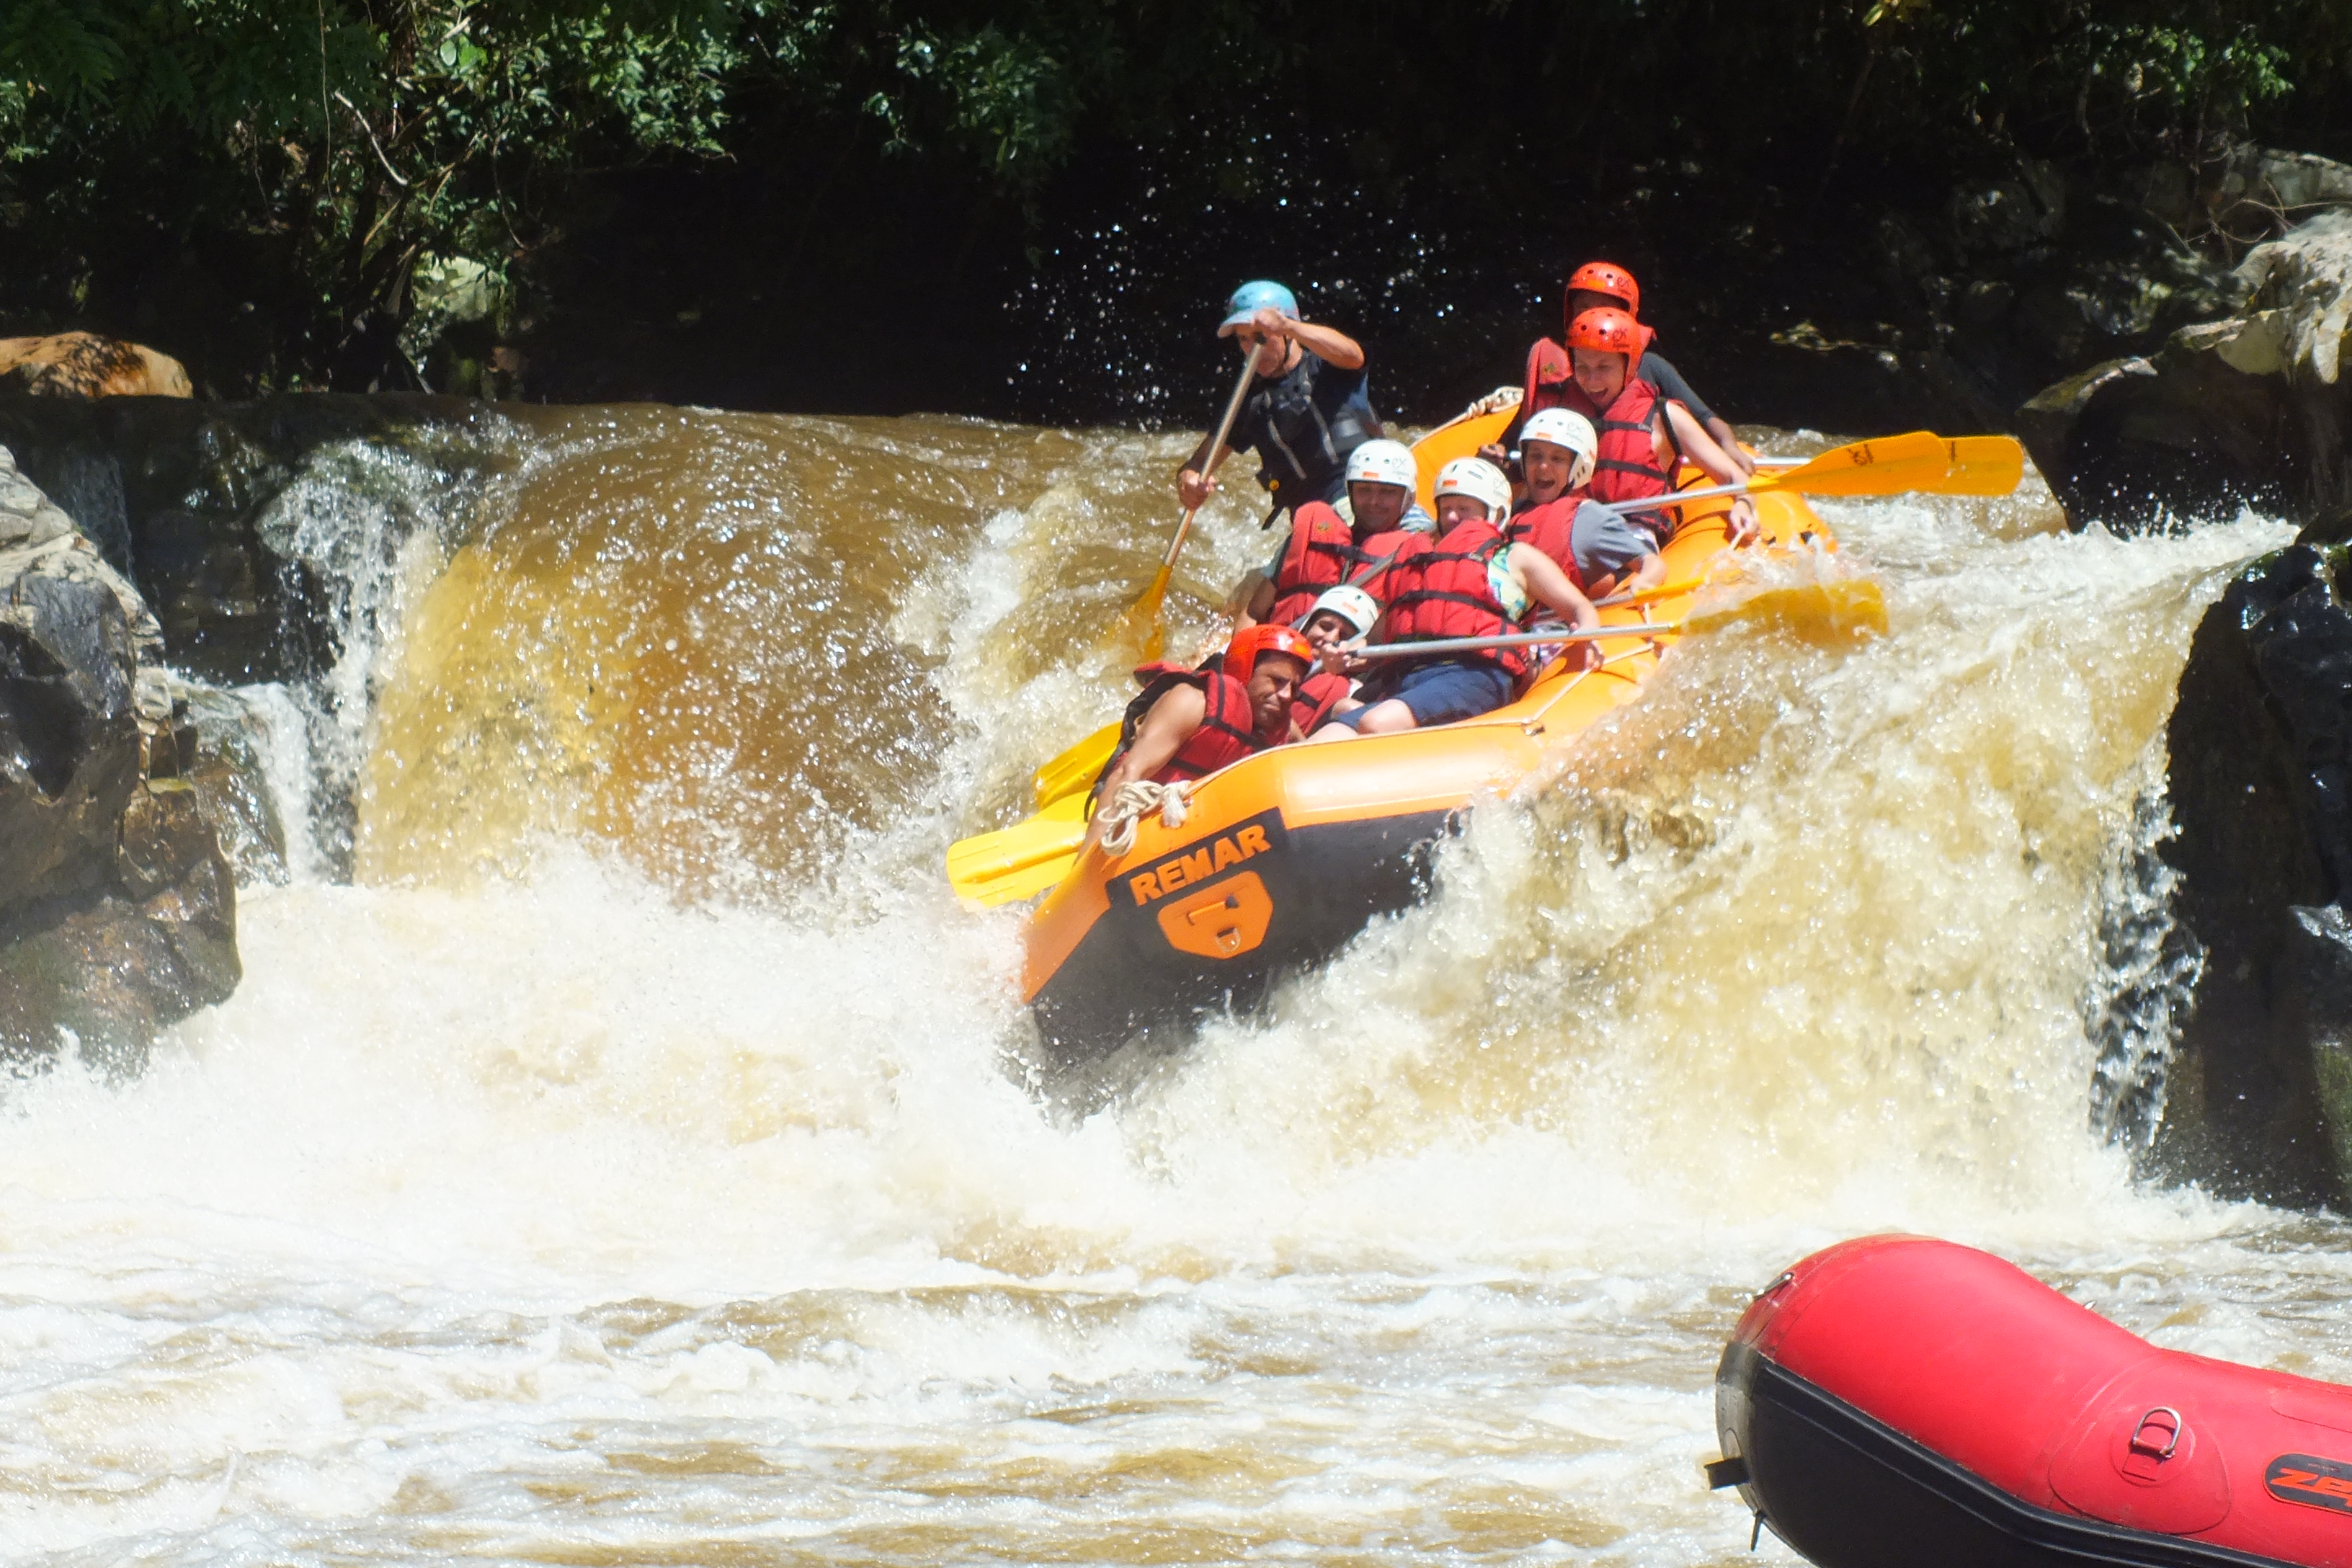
618	1153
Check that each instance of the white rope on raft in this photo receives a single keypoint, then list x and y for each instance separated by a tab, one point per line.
1174	802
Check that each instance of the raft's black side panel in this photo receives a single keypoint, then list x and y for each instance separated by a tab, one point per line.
1848	1491
1327	882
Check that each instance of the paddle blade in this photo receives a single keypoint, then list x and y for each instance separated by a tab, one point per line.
992	868
1883	466
1984	465
1824	615
1139	627
1076	768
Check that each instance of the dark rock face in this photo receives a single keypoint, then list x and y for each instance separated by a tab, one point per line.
118	914
176	494
2261	1088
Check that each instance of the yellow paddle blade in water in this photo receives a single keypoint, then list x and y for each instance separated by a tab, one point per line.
1076	768
1139	627
1825	614
1029	856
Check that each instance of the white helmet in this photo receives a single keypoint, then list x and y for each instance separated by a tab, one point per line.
1480	480
1565	427
1383	463
1350	604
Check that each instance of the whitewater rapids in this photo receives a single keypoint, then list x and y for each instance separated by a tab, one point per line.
618	1151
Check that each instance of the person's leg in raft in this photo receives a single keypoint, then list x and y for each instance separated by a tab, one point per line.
1433	694
1613	555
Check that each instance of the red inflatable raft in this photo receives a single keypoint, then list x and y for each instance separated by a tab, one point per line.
1898	1401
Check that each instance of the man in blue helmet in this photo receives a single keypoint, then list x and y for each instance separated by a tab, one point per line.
1309	407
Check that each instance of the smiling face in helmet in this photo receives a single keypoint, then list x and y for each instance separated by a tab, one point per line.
1454	510
1550	469
1327	629
1272	684
1602	376
1378	508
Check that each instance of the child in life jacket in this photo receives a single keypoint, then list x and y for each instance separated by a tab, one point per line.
1341	619
1326	547
1599	550
1187	723
1644	435
1472	582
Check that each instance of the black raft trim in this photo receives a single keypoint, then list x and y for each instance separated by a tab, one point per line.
1941	1505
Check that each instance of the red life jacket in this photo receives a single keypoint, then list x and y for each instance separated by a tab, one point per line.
1626	467
1227	733
1321	555
1443	592
1551	528
1365	565
1317	695
1548	370
1384	555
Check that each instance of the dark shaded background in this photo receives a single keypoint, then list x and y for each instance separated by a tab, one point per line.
1031	210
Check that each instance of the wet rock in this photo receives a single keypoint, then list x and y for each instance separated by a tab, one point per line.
186	499
118	913
229	769
2260	1098
2249	410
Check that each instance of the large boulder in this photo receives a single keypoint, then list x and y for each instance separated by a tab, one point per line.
118	914
2261	780
2249	410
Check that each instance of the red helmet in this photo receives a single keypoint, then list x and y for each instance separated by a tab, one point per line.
1607	277
1610	331
1254	643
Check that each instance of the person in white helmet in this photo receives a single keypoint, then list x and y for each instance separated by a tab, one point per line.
1598	549
1472	582
1341	619
1328	546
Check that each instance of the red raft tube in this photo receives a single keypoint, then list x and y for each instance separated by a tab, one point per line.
1898	1401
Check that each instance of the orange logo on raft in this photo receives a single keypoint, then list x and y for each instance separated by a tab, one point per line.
2314	1482
1199	865
1222	921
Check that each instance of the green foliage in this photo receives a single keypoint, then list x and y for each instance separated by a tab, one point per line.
326	150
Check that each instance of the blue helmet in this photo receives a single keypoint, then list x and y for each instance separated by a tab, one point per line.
1251	298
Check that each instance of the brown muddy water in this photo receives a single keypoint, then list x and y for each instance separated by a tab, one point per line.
629	1163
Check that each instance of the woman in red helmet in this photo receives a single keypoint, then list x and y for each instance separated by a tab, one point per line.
1645	435
1188	723
1604	285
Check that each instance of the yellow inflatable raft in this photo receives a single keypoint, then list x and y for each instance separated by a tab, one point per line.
1285	855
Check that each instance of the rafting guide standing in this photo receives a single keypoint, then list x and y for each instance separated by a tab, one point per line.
1309	408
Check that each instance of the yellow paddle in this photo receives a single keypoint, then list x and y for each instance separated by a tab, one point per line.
1140	627
1984	465
992	868
1075	768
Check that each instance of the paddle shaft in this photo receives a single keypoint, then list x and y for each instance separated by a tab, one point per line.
1216	454
1513	639
1673	498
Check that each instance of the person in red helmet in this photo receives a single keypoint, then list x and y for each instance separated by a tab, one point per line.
1604	285
1645	435
1187	723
